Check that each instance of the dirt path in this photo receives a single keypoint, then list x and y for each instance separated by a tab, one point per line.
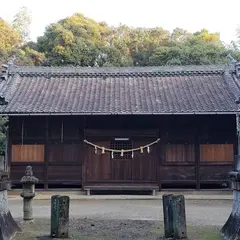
198	212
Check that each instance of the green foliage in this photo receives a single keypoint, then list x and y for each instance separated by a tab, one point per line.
28	56
207	37
193	50
3	130
13	42
78	40
82	41
8	36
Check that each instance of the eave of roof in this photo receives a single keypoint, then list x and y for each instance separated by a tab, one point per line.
122	114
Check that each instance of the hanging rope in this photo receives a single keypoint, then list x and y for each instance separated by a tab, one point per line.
104	149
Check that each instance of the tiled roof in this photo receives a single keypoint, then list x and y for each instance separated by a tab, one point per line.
133	90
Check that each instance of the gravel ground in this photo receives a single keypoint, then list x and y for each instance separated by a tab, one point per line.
99	229
124	219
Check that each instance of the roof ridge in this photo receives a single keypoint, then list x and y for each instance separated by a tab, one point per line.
76	70
121	74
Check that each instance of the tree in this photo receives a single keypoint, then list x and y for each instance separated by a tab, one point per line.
205	35
12	44
9	38
192	51
71	41
21	23
78	40
180	34
137	44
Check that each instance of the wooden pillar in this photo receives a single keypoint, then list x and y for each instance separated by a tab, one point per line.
197	155
159	165
46	151
84	152
237	159
9	150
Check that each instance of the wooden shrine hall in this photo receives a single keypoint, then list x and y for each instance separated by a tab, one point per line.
134	128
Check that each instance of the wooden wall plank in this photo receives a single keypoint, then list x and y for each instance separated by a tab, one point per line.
65	153
64	174
18	171
97	166
144	167
178	173
28	153
216	172
179	153
217	152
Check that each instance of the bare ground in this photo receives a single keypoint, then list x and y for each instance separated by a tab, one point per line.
99	229
124	220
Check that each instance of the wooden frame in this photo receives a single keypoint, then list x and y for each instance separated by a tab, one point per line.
168	128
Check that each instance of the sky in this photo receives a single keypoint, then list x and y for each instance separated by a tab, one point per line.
221	16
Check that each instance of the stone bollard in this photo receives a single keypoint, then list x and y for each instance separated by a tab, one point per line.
179	217
8	226
168	215
231	229
174	217
59	216
28	193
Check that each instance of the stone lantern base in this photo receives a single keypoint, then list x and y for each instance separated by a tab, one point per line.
8	226
231	229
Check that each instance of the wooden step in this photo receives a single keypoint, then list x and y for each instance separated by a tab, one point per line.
121	187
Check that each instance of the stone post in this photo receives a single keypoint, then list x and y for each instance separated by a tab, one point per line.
179	217
168	215
59	216
174	217
8	226
28	193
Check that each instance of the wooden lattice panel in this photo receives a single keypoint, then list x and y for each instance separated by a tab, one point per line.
119	145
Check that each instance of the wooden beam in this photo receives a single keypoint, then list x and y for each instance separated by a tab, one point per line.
46	151
197	155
